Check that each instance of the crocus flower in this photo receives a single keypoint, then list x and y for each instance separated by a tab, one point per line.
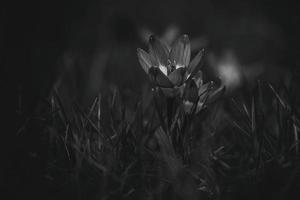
169	68
197	94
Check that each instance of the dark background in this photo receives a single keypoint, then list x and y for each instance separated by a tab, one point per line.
36	35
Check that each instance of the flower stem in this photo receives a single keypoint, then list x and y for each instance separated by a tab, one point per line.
170	106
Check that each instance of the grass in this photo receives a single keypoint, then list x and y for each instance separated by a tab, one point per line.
244	147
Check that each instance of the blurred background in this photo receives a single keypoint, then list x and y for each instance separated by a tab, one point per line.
80	46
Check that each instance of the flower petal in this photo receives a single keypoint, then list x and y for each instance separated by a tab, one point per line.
204	90
159	78
187	106
215	94
181	52
144	59
164	69
200	106
194	63
170	92
191	92
198	79
158	50
176	77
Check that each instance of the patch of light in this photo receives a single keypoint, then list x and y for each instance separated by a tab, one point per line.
163	69
230	75
179	66
228	70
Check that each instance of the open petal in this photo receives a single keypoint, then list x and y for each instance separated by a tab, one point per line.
176	77
159	78
158	50
195	62
144	59
181	52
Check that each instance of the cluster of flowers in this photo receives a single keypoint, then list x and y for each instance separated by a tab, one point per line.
172	71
